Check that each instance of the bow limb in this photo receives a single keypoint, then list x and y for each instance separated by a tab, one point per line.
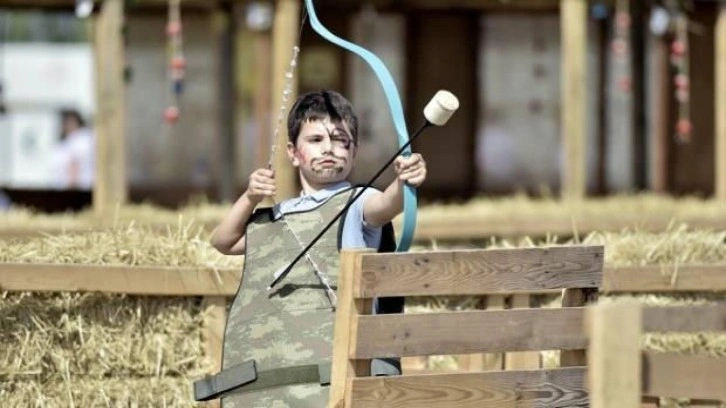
394	106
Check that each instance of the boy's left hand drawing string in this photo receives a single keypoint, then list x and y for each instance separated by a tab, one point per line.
322	276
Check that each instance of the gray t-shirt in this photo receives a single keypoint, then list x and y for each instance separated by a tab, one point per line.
356	232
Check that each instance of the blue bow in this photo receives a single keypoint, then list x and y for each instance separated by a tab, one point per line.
394	105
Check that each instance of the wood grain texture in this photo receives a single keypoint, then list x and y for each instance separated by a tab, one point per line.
573	37
666	278
537	388
683	376
469	332
474	272
614	355
720	102
132	280
345	320
573	298
685	318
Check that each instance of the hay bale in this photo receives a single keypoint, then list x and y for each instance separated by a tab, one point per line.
94	349
185	245
110	392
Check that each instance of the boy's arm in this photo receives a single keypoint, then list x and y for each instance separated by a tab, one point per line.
229	236
381	208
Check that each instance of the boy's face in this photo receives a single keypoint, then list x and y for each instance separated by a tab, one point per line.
324	152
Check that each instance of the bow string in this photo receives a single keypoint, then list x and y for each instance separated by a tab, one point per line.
396	109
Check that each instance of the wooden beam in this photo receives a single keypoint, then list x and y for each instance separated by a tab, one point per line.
665	278
573	17
711	318
109	190
346	327
573	297
470	332
720	92
520	389
214	309
482	271
660	133
286	27
132	280
522	360
614	355
681	376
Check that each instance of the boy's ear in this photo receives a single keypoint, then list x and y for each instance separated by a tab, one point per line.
291	155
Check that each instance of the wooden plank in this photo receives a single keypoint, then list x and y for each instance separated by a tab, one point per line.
573	17
720	106
460	224
285	31
522	360
215	319
474	272
345	326
537	388
470	332
614	355
682	376
109	189
489	361
573	358
666	278
132	280
685	318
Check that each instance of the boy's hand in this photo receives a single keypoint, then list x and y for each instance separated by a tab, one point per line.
261	185
411	169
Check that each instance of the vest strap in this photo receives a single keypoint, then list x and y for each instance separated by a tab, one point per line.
244	377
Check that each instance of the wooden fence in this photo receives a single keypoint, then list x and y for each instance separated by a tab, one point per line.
360	336
496	273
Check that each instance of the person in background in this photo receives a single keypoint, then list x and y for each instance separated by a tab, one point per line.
75	156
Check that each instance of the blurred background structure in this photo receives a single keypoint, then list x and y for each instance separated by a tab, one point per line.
569	97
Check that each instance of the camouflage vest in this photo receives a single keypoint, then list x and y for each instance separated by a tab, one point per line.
292	324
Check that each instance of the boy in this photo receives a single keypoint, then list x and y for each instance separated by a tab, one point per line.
275	336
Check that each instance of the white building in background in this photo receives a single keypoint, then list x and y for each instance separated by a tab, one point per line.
38	80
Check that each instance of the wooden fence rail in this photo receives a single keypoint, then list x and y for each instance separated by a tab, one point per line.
620	375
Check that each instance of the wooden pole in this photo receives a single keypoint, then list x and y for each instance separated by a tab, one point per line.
285	33
637	69
614	359
573	16
721	104
110	186
263	91
661	130
226	33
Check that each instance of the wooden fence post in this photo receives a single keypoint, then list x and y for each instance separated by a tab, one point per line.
614	370
346	327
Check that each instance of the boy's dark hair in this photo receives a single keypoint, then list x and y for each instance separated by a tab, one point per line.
318	105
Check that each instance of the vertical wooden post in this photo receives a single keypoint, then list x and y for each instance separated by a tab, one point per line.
346	327
226	30
215	318
573	17
573	298
720	73
660	134
522	360
263	91
109	189
485	361
286	27
614	371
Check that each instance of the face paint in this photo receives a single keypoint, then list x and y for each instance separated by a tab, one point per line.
324	151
